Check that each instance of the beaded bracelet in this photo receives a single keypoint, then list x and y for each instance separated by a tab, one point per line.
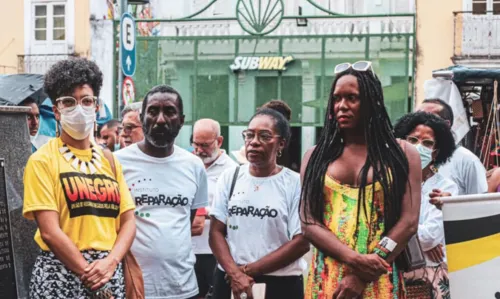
380	253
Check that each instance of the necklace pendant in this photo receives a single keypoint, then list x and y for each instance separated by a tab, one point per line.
83	167
91	166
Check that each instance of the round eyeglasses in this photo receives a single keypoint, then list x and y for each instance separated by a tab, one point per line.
70	103
428	143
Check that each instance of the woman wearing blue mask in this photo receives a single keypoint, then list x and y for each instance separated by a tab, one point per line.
435	144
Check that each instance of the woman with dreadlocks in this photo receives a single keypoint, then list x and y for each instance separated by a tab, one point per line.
360	193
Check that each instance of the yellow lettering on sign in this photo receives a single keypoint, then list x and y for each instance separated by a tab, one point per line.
275	63
265	63
283	61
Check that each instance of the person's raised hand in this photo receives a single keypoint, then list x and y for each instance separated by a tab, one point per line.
435	197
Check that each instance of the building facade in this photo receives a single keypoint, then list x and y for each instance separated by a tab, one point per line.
462	32
11	40
229	57
38	33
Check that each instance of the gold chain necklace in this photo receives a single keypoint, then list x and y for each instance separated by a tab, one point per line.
256	187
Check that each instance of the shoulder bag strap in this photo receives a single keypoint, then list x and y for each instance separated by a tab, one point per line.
235	178
132	273
109	156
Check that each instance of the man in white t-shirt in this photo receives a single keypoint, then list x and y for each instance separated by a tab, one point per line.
207	142
464	168
169	184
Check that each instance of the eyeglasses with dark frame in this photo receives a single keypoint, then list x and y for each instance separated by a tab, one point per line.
128	128
203	145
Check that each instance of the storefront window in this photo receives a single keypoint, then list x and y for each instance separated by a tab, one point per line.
232	96
228	79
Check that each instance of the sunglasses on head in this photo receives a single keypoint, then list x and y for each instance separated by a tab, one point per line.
361	66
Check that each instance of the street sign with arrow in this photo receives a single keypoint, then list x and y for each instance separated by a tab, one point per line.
128	57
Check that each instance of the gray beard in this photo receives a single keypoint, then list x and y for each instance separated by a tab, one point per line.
208	160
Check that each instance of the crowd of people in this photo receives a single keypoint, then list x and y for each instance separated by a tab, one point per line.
201	225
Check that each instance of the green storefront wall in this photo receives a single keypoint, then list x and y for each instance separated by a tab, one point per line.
199	69
193	54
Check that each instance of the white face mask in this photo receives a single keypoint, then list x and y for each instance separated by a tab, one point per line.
425	155
78	123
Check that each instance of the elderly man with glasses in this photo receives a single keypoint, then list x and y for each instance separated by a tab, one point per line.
207	142
131	128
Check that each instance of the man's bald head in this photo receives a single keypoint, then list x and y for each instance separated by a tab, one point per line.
207	140
207	125
439	108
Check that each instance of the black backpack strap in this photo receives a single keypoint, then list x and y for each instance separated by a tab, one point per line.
235	178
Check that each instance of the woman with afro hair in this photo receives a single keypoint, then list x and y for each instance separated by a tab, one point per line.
434	141
77	195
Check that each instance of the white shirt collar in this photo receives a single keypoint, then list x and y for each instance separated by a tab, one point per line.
221	160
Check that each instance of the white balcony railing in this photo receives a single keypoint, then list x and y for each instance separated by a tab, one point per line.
477	35
39	63
356	25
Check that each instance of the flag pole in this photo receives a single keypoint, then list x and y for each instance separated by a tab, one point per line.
471	197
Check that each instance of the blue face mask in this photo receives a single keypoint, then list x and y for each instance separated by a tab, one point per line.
425	155
117	146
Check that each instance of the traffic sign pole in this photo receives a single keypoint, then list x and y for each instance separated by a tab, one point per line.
128	32
123	9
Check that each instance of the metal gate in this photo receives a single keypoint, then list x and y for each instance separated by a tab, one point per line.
195	55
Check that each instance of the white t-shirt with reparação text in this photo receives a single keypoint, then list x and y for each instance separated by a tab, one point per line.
214	171
165	191
262	215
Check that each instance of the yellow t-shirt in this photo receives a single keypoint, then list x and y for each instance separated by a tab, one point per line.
89	205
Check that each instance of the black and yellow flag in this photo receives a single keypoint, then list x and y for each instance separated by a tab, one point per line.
472	234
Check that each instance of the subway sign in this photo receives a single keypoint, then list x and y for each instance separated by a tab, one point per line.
260	63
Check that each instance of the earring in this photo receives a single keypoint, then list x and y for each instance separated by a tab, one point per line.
280	153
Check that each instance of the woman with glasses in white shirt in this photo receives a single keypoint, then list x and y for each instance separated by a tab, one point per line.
434	141
255	231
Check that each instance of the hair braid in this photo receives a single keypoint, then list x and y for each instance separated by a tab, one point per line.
384	154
